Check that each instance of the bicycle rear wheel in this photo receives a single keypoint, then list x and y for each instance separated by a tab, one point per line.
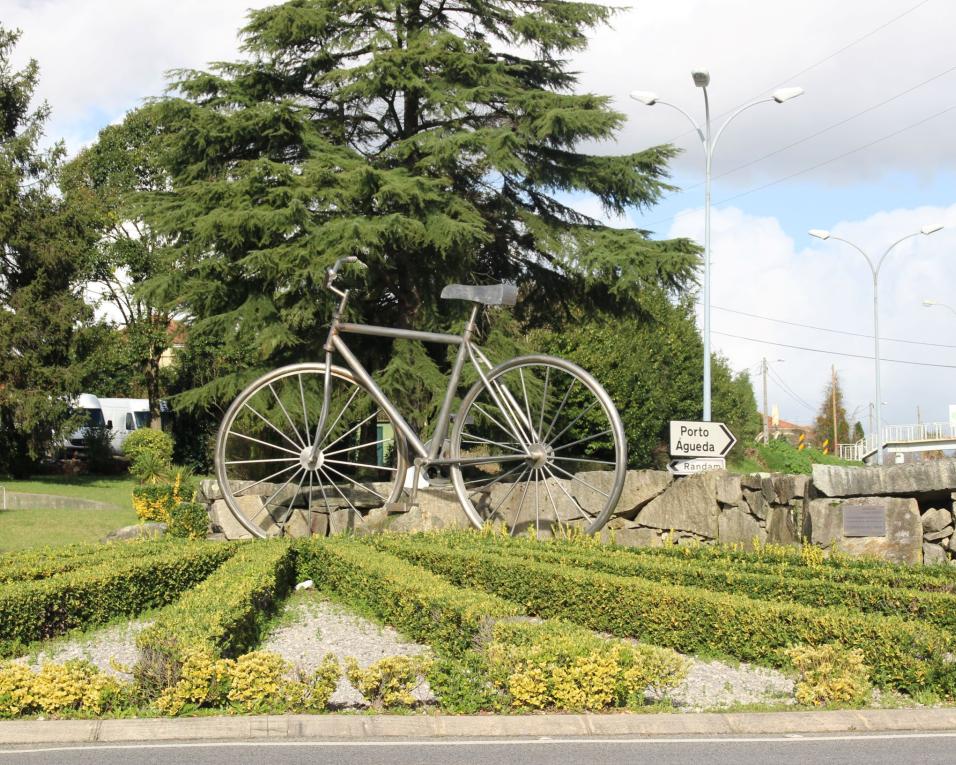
280	477
552	446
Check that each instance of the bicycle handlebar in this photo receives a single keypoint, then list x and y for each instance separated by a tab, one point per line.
334	270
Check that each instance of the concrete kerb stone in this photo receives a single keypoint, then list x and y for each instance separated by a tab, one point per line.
352	727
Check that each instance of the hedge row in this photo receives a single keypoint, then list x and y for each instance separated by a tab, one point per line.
907	656
36	610
423	606
49	561
227	611
721	575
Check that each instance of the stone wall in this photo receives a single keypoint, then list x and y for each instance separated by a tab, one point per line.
704	508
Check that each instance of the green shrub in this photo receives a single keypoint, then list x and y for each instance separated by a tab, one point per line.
223	615
904	655
462	683
155	502
830	674
39	609
149	441
45	562
189	520
388	682
98	451
419	604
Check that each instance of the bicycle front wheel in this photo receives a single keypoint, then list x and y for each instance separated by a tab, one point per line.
548	447
279	475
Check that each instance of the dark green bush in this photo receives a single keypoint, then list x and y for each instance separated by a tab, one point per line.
189	520
148	441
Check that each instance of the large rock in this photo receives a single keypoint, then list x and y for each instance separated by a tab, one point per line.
222	519
936	518
933	554
935	536
690	504
823	525
914	478
148	530
757	503
782	525
640	487
346	521
735	526
728	488
788	487
632	537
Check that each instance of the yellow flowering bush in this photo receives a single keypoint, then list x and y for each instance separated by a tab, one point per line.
202	682
258	681
388	682
830	674
16	689
58	688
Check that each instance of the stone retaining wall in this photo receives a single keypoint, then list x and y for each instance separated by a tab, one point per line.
708	507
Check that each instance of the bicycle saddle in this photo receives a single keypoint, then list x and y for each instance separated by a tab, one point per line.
492	294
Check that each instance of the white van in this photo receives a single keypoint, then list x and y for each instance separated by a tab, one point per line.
87	403
123	416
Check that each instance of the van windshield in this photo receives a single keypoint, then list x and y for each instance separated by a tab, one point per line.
142	419
94	418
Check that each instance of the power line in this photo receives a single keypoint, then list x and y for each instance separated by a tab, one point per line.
787	389
835	353
828	329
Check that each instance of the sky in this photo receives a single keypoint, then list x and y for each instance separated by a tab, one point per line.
868	152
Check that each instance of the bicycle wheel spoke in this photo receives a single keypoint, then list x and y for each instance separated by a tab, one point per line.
259	441
520	505
331	428
494	510
267	422
582	440
493	419
288	418
488	485
305	414
537	512
554	504
574	502
544	397
356	483
583	459
557	413
279	490
263	480
478	439
581	480
360	464
575	420
359	446
353	429
527	406
253	462
336	487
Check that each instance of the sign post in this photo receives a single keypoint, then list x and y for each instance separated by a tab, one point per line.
699	446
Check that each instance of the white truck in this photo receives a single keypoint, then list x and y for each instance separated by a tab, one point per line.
121	415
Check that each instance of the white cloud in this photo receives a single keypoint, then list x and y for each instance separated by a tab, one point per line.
759	269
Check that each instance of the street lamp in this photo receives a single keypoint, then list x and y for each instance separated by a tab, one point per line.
709	141
929	303
875	270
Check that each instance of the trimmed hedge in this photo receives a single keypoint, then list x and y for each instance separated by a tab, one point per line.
44	562
35	610
718	575
904	655
420	604
227	611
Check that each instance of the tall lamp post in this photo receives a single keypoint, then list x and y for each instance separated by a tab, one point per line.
709	140
875	270
929	303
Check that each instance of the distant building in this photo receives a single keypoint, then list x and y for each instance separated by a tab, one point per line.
788	430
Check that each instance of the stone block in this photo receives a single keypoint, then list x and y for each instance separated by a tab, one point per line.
823	525
753	481
902	480
933	554
640	487
936	518
345	521
735	526
632	537
148	530
690	504
221	518
789	487
782	525
934	536
728	488
757	503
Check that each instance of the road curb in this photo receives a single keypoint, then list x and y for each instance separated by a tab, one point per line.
360	727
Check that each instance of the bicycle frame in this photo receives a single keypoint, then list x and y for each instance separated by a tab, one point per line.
467	351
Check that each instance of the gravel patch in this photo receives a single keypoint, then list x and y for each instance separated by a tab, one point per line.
319	628
117	642
716	685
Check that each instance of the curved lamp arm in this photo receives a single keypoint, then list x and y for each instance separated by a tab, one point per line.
859	250
691	120
901	239
730	119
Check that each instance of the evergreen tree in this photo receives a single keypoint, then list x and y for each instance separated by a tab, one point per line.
40	300
823	424
858	434
434	140
102	184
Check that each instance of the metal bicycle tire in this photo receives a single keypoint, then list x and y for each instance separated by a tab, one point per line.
590	521
260	385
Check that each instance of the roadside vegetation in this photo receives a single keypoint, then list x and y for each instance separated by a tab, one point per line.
780	456
513	625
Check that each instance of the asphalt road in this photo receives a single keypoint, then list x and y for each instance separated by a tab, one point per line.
876	749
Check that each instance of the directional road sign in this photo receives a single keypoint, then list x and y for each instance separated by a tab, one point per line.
693	465
700	439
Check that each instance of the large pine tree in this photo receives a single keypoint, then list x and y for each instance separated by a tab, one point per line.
40	301
435	139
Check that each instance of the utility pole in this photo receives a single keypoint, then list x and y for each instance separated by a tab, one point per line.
766	409
833	384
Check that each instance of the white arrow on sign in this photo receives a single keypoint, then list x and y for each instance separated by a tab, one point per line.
700	439
696	465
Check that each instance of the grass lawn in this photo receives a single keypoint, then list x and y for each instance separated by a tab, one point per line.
20	529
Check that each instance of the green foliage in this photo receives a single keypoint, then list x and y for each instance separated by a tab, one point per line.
780	456
189	520
39	609
419	604
829	674
157	501
41	302
462	683
98	441
823	424
388	682
432	144
149	441
224	614
904	655
651	367
58	690
45	562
